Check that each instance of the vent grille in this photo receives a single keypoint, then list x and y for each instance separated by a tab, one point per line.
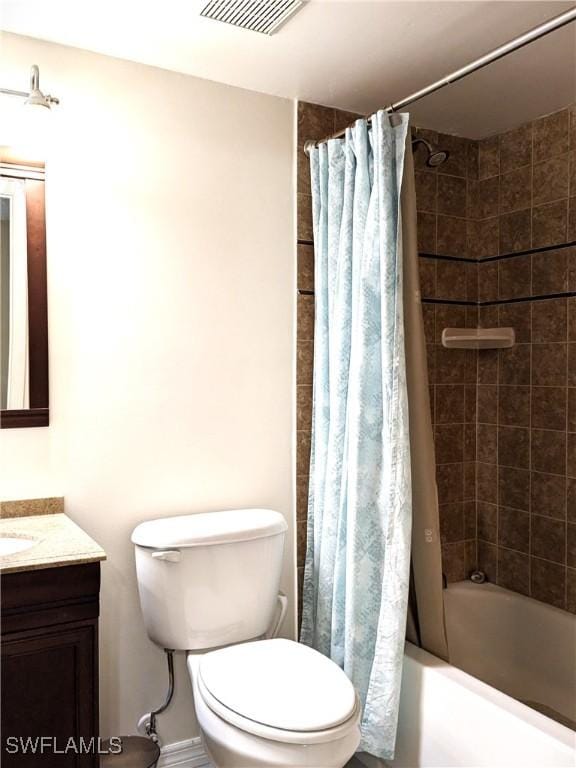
265	16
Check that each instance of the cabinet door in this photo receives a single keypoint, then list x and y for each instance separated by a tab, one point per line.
49	688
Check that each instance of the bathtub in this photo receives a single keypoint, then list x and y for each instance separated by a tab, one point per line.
502	645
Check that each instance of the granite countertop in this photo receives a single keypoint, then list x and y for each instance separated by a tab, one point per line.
58	541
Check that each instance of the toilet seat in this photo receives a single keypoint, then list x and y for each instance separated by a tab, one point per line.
279	690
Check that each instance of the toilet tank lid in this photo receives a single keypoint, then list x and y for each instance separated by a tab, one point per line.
208	528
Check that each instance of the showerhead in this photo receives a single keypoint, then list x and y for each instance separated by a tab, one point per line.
435	157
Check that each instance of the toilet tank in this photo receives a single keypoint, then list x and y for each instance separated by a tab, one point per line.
209	579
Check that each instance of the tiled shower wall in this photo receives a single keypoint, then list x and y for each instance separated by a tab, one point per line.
449	285
518	209
496	223
526	493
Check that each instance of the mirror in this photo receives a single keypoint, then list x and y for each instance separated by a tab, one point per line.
23	302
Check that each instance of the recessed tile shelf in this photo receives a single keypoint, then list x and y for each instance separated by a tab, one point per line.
478	338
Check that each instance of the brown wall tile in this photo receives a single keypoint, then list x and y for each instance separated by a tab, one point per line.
472	159
483	238
449	366
487	442
470	442
551	135
549	407
306	267
549	364
514	405
519	317
427	278
488	404
515	190
487	521
514	529
513	571
514	277
549	224
453	561
549	272
487	483
515	365
426	233
571	455
426	191
450	480
571	545
488	281
549	320
450	403
305	312
548	451
550	180
488	366
514	488
451	236
548	495
548	582
449	443
451	280
548	539
483	198
571	409
487	559
458	159
304	407
304	216
304	362
571	590
451	195
451	522
515	231
516	148
302	452
514	447
571	233
489	157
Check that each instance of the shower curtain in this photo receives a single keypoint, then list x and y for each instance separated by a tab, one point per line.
360	505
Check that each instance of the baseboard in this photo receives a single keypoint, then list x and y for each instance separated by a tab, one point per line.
184	754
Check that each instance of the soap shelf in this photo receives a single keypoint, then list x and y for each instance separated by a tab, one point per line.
478	338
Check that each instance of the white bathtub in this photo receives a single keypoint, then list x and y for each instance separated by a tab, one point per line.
526	648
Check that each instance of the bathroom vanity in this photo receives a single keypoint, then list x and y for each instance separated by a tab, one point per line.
49	639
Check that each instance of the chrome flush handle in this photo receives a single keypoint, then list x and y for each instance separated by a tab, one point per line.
171	555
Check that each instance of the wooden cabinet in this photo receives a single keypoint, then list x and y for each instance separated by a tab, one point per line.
50	666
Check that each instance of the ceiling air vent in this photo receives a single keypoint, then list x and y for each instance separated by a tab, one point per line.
265	16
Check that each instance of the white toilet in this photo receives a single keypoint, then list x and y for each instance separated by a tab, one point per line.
208	584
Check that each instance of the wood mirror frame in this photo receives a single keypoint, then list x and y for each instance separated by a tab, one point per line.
37	415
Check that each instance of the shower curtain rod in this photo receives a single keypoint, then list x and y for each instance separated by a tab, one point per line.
497	53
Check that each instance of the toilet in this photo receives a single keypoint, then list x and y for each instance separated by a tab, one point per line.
209	585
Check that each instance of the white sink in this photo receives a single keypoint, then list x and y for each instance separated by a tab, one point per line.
9	545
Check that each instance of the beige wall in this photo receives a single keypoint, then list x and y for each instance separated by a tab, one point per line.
171	246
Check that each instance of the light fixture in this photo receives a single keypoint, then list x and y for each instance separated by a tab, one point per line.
34	97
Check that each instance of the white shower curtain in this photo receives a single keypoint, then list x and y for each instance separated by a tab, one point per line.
359	516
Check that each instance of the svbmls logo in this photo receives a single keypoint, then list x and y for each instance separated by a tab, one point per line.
40	745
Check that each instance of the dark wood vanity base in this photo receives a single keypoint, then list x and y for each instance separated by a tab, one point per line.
49	647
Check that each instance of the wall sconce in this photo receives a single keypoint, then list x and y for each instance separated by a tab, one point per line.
35	97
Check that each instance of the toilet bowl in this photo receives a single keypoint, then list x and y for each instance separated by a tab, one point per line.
274	703
209	585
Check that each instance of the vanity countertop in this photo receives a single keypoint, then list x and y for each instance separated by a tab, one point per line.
57	541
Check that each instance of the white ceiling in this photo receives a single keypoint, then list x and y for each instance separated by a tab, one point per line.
349	54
